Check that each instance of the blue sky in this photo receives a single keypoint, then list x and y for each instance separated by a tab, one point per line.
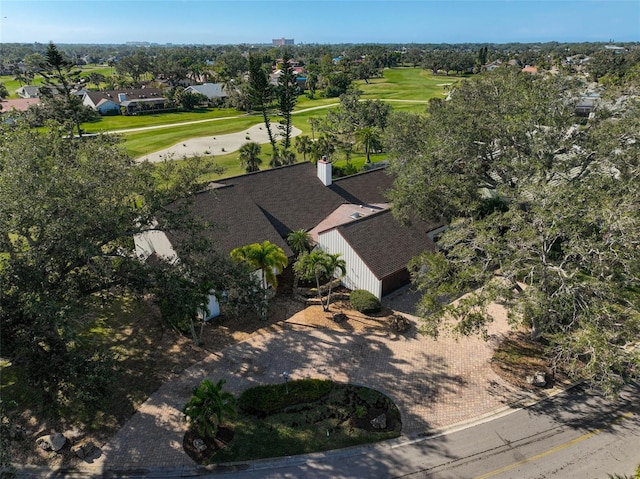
312	21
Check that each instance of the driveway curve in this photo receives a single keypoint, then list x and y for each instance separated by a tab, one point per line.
435	384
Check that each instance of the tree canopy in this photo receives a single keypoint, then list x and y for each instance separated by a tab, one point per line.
69	209
542	213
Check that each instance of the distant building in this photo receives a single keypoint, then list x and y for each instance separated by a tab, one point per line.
278	42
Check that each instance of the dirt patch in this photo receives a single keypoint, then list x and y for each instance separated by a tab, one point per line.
518	357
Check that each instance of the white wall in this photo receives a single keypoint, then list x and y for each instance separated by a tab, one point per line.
358	276
151	242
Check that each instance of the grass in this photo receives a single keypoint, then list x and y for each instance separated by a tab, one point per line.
338	418
12	85
407	89
121	122
145	355
140	143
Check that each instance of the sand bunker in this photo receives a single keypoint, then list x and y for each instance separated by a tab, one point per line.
215	145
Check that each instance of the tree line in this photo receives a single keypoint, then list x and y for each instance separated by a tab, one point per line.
542	211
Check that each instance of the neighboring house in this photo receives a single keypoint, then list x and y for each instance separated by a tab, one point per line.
530	69
586	105
493	65
131	101
210	90
28	91
349	216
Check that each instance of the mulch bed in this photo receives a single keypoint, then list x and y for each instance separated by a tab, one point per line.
220	441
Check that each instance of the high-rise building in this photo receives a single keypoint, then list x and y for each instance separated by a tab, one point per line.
278	42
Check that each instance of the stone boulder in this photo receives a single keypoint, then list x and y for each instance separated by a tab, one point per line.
199	445
339	317
51	442
83	450
379	422
399	323
538	379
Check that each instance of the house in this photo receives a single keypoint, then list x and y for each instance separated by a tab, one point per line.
28	91
211	90
350	215
493	65
113	102
377	248
586	105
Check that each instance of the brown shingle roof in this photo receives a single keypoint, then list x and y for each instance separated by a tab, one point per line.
384	244
269	204
363	188
292	197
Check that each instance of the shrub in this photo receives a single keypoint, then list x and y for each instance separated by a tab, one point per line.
364	301
271	398
208	406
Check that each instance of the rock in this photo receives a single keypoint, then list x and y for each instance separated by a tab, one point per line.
538	379
51	442
17	433
199	444
83	450
339	317
400	324
379	422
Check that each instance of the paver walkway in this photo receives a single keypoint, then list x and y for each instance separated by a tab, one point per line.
434	383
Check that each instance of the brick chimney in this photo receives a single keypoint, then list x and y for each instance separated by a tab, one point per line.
324	171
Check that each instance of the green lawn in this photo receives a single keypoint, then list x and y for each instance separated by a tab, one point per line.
407	84
120	122
12	85
406	89
412	87
144	142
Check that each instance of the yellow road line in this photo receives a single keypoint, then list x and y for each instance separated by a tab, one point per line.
551	451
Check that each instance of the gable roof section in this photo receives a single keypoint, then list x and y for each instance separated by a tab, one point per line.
364	188
269	204
292	197
210	90
384	244
235	220
131	94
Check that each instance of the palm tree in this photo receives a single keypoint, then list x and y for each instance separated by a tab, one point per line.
326	146
333	265
319	264
249	153
300	242
96	78
267	257
208	406
369	138
287	157
315	123
303	145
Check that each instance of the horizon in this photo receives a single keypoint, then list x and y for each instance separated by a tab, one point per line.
310	22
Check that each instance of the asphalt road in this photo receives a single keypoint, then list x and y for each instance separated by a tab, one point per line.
575	435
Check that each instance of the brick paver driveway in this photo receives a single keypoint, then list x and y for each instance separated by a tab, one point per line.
435	384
